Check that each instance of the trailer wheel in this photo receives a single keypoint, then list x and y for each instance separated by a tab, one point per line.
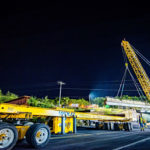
38	135
8	136
126	126
116	127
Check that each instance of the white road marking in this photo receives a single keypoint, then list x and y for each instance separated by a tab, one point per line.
131	144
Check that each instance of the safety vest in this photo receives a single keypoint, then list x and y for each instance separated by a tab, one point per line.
141	120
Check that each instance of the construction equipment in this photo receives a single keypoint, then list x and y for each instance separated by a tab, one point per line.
137	67
37	124
34	123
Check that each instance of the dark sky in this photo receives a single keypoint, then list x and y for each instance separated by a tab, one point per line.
78	43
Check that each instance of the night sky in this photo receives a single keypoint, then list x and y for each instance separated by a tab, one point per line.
78	43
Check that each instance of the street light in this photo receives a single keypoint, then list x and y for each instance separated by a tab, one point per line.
60	83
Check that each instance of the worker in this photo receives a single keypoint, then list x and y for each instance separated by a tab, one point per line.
141	122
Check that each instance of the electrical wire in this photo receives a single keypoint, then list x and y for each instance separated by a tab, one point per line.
96	89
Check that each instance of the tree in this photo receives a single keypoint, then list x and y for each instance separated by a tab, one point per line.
99	101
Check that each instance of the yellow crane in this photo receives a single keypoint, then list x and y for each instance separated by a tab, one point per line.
137	67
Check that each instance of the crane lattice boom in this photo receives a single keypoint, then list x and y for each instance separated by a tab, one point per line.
137	67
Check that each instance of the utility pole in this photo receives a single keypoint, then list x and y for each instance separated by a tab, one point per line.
60	88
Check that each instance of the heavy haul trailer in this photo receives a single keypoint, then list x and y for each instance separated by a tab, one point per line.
36	124
107	122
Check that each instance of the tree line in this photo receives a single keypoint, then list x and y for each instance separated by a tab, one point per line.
46	102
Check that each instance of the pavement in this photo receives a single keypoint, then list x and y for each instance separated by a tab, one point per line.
92	139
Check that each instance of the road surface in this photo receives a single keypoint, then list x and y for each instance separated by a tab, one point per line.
90	139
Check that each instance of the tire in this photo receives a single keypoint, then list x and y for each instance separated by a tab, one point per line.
10	136
116	127
97	125
35	133
126	126
105	126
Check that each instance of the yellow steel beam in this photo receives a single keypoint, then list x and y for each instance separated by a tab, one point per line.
21	111
89	116
35	111
16	115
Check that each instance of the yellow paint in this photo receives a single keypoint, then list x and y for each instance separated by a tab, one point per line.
18	115
64	109
22	131
38	134
101	125
24	110
137	67
21	111
2	136
27	112
69	125
56	125
126	64
90	116
120	126
57	122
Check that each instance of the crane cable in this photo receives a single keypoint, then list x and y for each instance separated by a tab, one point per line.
121	88
135	83
141	56
122	84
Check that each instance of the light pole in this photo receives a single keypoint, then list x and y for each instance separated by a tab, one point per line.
60	88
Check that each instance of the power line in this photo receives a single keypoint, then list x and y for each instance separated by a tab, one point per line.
95	89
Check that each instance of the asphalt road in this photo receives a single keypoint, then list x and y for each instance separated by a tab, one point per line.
89	139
